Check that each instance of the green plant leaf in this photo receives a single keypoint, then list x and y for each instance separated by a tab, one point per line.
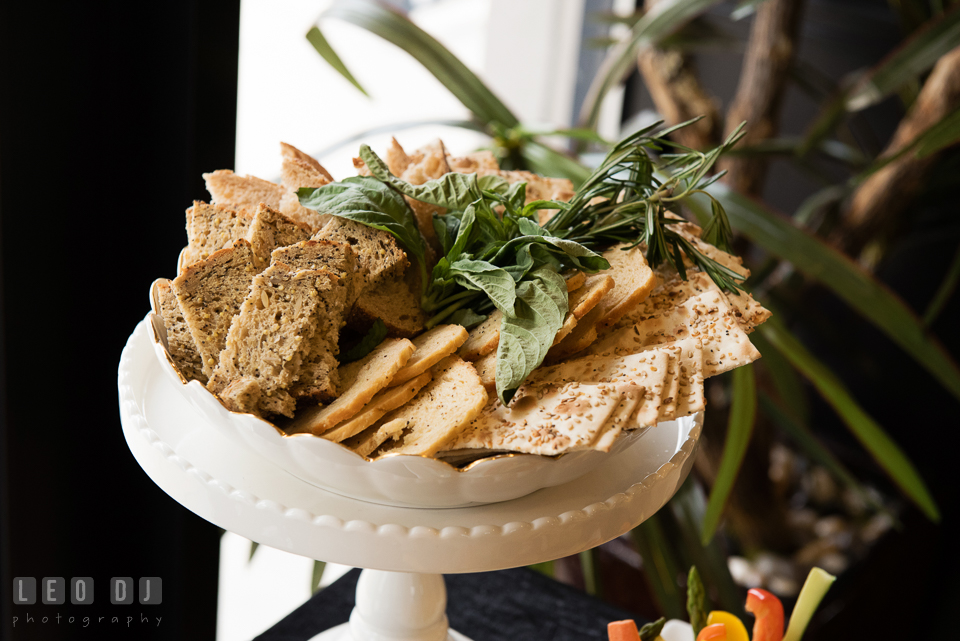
253	549
591	576
883	449
315	37
366	200
493	281
367	344
860	290
786	381
941	135
527	332
660	565
743	411
917	54
466	318
944	291
451	190
547	161
666	17
435	58
317	575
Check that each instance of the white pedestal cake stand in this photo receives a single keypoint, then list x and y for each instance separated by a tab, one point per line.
401	594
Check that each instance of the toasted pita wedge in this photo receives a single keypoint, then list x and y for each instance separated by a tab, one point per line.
634	279
242	193
360	381
440	411
387	400
432	345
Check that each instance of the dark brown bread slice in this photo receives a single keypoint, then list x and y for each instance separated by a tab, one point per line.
212	227
271	335
395	302
242	193
183	350
270	230
210	293
380	257
337	258
242	395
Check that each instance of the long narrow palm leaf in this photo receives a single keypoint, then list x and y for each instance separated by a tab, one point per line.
854	285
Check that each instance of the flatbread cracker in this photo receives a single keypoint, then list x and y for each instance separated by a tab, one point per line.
387	400
431	346
360	381
440	411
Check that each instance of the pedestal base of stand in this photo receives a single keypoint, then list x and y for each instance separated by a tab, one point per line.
396	606
342	633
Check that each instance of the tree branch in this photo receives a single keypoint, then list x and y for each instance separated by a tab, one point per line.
671	79
883	197
760	91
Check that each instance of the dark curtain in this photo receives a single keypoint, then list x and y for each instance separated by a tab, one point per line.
108	116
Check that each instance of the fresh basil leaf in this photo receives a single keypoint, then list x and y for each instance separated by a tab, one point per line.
529	228
464	231
496	283
579	255
467	318
367	344
368	201
652	630
516	196
493	183
446	228
451	190
527	333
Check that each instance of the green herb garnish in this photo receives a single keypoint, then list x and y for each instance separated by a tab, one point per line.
497	255
696	601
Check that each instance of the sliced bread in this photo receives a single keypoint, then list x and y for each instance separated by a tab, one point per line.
212	227
183	350
379	255
271	229
242	193
210	293
396	302
270	337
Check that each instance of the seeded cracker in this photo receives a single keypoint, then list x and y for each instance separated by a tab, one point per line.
706	317
431	346
440	411
360	381
210	293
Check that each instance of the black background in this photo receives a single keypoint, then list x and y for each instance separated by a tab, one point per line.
109	114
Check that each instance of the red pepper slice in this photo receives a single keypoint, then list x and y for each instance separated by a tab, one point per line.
769	612
715	632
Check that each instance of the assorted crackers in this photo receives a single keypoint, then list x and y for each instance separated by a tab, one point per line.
265	287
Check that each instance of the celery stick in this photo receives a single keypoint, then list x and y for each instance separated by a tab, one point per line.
816	585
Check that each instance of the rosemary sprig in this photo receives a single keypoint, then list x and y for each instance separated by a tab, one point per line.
626	199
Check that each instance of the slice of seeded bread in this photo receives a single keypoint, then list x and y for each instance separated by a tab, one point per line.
301	170
242	193
270	336
212	227
337	258
182	348
271	229
210	293
242	395
380	256
395	302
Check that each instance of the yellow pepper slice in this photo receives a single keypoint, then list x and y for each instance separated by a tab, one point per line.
736	631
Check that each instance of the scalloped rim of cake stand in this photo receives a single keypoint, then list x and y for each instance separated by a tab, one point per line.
237	490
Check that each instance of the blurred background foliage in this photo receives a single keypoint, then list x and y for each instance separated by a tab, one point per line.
830	450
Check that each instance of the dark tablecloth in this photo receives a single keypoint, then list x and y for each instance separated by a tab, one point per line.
509	605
